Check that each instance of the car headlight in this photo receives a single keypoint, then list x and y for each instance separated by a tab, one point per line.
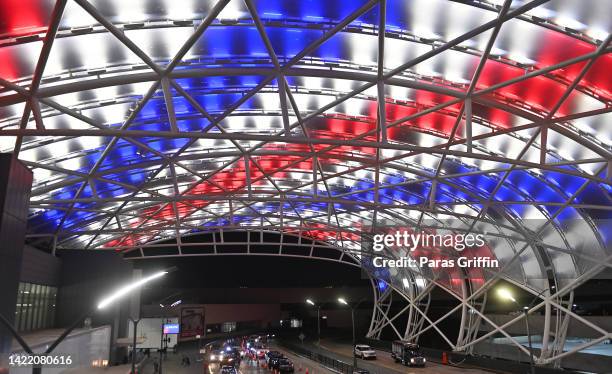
412	360
424	360
212	357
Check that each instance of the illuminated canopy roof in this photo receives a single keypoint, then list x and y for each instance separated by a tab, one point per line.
148	120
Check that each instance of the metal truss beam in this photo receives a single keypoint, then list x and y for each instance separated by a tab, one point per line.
172	172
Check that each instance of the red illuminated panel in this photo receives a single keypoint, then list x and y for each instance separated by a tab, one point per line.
20	18
598	76
233	179
322	232
8	65
495	72
23	17
538	92
557	47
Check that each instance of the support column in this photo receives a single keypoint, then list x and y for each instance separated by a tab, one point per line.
15	186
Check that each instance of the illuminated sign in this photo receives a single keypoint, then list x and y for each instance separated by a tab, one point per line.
171	328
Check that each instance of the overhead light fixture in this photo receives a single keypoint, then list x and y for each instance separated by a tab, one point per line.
129	288
505	294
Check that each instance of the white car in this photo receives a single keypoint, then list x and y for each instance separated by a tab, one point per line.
365	352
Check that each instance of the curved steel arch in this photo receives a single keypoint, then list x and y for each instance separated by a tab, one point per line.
299	172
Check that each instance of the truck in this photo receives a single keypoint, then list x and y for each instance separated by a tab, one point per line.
407	353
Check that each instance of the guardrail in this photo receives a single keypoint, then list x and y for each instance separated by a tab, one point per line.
331	363
497	364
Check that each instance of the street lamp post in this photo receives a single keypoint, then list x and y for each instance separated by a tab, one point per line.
103	304
505	294
531	360
344	302
135	323
318	320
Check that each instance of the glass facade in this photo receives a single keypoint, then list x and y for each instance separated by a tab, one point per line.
228	327
36	305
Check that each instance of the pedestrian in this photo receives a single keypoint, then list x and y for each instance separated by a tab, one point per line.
155	367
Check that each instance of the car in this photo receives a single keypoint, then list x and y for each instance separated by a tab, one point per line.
237	352
274	362
216	356
227	348
237	348
228	369
258	350
270	355
365	352
231	358
285	365
407	353
255	338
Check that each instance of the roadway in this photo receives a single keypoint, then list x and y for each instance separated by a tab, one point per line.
172	365
384	364
302	365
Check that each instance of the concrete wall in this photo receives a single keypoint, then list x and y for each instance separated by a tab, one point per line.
257	295
84	347
341	318
219	313
150	331
15	185
87	276
40	267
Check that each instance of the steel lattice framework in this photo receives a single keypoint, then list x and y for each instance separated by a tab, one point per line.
151	121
